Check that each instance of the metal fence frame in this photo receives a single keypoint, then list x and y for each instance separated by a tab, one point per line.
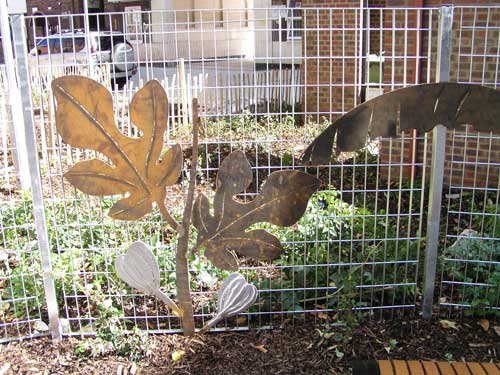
232	90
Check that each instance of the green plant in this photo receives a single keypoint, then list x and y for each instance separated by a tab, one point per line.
393	343
477	268
323	237
112	337
80	253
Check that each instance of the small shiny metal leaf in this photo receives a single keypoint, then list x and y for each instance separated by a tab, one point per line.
420	107
139	269
235	296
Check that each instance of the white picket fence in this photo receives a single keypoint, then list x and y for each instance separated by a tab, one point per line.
264	91
258	92
233	93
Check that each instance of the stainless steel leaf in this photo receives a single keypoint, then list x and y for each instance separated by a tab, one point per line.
138	268
245	298
235	296
228	289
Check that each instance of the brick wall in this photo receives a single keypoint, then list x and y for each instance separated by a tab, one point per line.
52	9
329	70
400	42
471	157
44	26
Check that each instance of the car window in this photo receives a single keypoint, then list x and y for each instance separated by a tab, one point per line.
55	44
73	44
69	44
107	42
42	43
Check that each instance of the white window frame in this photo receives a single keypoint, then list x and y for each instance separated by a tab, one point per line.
290	17
133	26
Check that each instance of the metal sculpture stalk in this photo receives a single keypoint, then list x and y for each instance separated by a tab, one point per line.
134	170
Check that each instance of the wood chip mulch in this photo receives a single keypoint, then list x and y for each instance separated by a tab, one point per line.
319	349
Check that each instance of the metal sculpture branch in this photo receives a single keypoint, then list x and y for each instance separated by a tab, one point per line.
135	170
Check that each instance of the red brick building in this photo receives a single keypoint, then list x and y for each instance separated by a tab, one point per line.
335	68
53	16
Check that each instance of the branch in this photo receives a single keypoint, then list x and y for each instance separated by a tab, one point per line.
186	219
166	215
182	269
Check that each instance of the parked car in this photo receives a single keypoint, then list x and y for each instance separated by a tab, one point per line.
106	47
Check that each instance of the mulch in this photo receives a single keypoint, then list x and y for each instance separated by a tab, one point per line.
319	349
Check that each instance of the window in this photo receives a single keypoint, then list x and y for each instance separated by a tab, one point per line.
286	21
133	23
294	20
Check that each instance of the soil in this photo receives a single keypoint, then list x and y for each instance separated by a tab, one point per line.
319	349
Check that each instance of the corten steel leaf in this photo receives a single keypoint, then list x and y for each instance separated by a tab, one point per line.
235	296
282	202
420	107
139	269
84	119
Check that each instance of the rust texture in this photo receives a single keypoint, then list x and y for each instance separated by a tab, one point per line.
132	167
420	107
282	202
84	119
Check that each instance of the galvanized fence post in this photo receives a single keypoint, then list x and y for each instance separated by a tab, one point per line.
19	36
437	171
21	154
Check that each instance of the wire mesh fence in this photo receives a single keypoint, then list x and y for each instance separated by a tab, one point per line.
22	298
268	81
470	266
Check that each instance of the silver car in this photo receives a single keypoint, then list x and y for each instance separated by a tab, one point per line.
70	49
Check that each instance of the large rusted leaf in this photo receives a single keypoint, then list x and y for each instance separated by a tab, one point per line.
282	202
84	119
420	107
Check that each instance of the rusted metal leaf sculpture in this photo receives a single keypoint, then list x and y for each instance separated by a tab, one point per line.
84	119
420	107
131	167
282	202
235	296
139	269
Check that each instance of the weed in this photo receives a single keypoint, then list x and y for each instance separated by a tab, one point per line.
476	265
112	337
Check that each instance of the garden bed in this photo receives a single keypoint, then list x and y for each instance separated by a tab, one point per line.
324	348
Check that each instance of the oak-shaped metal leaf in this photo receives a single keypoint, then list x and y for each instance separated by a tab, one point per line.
420	107
282	201
84	119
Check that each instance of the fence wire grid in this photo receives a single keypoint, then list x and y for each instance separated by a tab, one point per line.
268	81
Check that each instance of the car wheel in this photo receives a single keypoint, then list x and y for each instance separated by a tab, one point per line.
123	57
118	83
